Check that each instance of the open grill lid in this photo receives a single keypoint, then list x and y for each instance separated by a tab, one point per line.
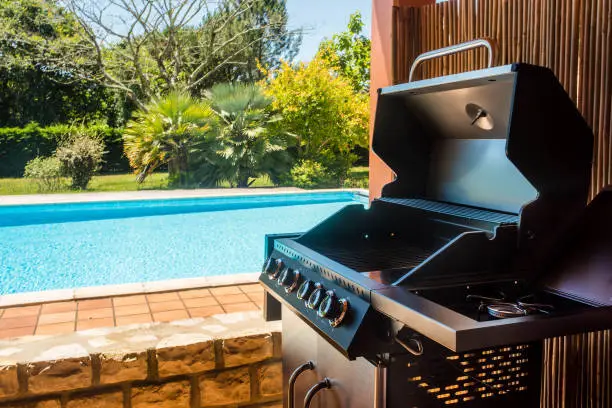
507	139
582	267
497	138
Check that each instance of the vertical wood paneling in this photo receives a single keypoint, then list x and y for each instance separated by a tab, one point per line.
574	39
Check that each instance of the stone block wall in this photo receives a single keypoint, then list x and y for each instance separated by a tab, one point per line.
201	363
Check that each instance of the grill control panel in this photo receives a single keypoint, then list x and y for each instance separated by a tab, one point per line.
339	315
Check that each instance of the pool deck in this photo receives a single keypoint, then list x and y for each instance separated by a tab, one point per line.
154	195
51	318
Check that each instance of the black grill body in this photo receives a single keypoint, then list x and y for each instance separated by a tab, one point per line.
489	201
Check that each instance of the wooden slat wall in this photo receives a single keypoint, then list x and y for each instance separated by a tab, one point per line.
578	371
573	38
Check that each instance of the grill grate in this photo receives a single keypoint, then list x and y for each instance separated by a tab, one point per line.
364	259
455	210
487	376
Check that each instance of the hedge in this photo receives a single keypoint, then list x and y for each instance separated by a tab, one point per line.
20	145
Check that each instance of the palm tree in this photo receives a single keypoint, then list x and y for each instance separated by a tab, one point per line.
248	143
167	132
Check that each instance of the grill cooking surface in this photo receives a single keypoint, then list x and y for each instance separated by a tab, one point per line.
456	210
378	256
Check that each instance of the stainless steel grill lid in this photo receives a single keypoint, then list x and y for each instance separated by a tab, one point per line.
496	138
582	267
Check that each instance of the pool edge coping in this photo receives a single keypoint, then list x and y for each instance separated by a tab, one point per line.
126	289
126	196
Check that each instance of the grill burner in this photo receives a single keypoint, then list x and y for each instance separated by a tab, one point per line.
501	308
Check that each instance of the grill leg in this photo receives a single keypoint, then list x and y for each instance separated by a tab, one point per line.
272	308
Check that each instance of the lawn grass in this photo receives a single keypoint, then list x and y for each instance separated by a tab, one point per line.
114	182
359	177
158	181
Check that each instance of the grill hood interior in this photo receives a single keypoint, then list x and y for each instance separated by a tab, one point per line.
497	138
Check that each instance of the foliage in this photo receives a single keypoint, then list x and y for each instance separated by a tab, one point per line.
348	53
168	131
80	156
33	34
46	171
20	145
328	118
308	174
246	144
358	178
147	48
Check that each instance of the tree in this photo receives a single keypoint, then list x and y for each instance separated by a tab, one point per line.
168	131
321	108
247	144
32	35
147	48
348	53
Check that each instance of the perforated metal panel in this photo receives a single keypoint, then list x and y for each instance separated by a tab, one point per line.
499	377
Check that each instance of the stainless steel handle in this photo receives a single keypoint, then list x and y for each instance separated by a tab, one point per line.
454	49
293	378
321	385
414	351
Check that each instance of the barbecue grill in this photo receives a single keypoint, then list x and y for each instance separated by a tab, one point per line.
441	292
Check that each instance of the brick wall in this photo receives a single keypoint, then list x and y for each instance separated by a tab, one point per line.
155	365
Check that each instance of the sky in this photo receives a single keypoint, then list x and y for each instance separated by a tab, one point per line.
324	18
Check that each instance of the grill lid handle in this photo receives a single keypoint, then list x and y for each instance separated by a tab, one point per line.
487	43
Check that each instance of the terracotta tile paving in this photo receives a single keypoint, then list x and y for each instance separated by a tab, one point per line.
63	317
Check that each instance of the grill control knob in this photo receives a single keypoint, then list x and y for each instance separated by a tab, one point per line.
333	308
290	279
273	267
305	290
316	297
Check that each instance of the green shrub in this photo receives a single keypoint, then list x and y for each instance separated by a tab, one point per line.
20	145
80	156
46	171
308	174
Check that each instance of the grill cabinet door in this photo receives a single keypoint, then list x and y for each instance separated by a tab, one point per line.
352	381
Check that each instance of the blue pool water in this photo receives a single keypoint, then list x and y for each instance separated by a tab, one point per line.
60	246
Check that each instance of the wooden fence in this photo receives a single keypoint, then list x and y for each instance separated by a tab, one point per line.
573	38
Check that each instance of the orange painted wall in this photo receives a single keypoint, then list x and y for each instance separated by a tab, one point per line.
382	75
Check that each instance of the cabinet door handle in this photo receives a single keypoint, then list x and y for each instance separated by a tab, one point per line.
321	385
293	378
412	350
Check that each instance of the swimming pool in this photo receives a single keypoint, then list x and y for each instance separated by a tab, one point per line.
59	246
